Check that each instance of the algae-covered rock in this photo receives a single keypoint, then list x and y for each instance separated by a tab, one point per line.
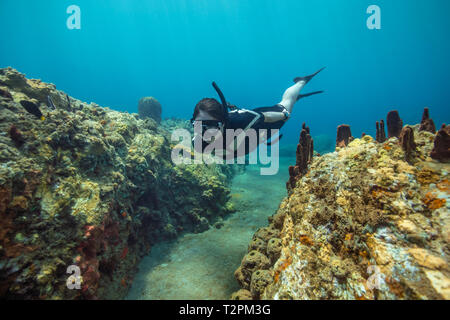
171	124
260	279
149	107
274	247
266	233
89	187
251	262
258	245
368	221
242	294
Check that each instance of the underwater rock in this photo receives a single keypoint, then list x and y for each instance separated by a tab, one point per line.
5	93
242	279
406	140
266	233
149	107
441	149
274	247
304	154
363	224
260	279
242	294
258	245
394	124
16	135
173	123
380	134
427	123
90	187
277	220
343	135
69	105
253	261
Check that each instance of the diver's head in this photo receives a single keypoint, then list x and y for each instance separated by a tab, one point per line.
208	109
208	114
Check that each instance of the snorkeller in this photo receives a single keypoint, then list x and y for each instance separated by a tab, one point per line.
212	115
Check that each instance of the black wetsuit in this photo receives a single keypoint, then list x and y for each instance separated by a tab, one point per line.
243	118
254	119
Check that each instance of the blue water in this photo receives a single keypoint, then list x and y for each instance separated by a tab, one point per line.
173	49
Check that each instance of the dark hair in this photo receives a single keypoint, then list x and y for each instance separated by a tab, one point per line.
210	106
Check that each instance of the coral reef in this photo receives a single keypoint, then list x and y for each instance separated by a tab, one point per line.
427	124
5	93
242	294
16	135
380	134
394	124
149	107
368	221
304	154
171	124
441	149
343	135
406	140
90	187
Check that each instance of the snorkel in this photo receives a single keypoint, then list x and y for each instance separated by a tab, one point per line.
224	103
204	122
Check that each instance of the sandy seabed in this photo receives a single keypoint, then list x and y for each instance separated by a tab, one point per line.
201	266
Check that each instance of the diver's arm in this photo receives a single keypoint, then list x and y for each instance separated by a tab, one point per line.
272	116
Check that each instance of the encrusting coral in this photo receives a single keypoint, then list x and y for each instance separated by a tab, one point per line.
368	221
90	187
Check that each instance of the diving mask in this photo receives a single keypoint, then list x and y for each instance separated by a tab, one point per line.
206	125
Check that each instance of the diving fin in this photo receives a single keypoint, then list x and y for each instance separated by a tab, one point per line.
307	78
300	96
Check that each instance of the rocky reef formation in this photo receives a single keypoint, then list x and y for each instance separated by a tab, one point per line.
441	149
304	154
90	187
149	107
380	135
369	221
343	135
406	140
171	124
427	124
394	124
